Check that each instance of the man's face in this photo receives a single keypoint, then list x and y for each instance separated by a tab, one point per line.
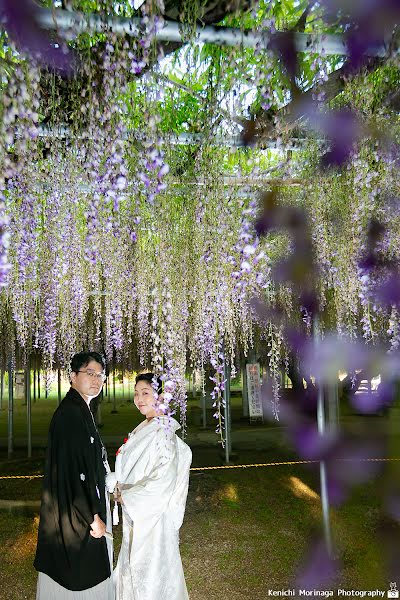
89	380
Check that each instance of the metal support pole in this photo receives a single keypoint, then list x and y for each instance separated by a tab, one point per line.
337	405
333	407
192	379
59	385
1	389
98	419
34	385
322	464
28	405
323	476
114	410
227	402
245	395
283	379
204	411
10	410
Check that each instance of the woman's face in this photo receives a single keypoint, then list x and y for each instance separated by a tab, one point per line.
145	400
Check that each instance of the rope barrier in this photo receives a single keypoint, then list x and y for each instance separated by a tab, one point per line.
249	466
21	476
273	464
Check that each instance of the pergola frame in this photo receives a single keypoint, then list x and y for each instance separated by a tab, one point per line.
185	139
70	23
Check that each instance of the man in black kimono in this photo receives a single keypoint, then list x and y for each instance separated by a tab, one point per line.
72	554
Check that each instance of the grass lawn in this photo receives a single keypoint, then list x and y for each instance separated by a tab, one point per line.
245	531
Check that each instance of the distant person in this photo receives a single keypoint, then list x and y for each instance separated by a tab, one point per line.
73	556
151	482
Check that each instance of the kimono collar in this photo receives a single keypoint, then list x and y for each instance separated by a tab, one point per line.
167	422
74	396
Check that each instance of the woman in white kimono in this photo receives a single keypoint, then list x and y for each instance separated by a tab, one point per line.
151	482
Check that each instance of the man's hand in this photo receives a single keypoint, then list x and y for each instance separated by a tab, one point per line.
98	527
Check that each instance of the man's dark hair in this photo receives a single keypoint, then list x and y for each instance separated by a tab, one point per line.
149	378
82	359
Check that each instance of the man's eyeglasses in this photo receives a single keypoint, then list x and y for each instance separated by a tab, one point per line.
92	374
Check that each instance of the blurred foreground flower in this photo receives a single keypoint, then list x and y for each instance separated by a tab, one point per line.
319	569
21	21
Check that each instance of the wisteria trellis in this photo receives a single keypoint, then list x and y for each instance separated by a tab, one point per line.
115	244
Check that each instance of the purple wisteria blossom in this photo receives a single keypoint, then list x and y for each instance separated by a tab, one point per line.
4	244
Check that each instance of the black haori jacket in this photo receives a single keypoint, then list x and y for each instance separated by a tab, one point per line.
73	492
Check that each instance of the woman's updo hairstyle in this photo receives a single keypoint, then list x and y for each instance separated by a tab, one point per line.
148	377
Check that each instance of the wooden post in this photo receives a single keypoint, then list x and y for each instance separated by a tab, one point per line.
28	405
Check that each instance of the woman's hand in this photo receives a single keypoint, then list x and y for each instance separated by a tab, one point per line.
117	494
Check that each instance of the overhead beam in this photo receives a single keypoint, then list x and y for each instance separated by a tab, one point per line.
228	182
69	23
186	139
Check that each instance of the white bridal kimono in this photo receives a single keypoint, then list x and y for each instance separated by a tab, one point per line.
152	469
